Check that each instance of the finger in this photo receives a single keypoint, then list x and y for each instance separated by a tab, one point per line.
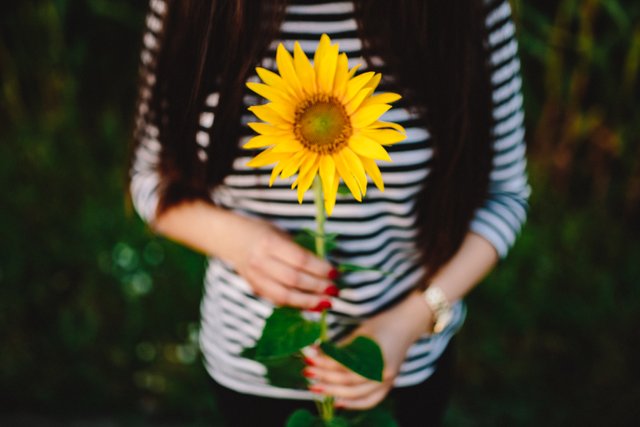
333	377
347	392
280	295
366	402
287	275
299	258
326	363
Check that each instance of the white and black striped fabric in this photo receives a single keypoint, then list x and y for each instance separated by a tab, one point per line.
378	233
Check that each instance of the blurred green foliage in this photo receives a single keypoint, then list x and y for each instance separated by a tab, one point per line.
99	317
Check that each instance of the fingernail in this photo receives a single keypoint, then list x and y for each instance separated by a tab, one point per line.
309	361
332	291
334	274
322	305
307	373
339	405
316	389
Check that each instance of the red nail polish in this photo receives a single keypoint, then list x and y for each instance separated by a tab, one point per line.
309	361
322	305
307	373
334	274
332	291
316	389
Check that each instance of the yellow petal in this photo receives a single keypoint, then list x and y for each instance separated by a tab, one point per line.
287	70
368	115
272	79
304	69
308	162
261	141
384	136
355	103
382	98
323	46
356	84
352	72
327	171
287	145
267	129
382	125
285	109
293	164
266	114
275	172
374	172
351	159
327	69
306	179
269	93
330	194
347	176
342	76
267	157
375	81
306	167
369	148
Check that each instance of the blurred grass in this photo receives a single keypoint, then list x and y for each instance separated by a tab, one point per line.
99	317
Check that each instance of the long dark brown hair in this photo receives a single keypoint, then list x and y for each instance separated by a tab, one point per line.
434	47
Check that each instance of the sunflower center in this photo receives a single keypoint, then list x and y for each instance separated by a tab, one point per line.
322	125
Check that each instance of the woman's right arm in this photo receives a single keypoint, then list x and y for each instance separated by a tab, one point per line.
273	265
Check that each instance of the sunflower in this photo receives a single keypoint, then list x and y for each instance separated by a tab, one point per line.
322	120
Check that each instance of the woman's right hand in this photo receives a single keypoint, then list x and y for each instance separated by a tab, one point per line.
280	270
276	267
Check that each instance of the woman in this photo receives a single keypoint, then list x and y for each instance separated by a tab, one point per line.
455	199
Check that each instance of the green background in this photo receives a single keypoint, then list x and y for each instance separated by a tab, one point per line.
99	318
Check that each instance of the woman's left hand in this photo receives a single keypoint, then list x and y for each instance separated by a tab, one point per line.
395	330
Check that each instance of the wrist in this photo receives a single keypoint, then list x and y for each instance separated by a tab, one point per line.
412	313
419	313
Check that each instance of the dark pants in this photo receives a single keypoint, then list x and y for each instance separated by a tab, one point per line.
422	405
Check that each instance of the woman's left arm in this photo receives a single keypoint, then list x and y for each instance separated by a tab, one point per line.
492	232
397	328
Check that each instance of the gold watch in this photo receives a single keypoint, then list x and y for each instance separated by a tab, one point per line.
440	307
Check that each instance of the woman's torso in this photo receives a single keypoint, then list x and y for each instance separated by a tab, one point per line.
379	233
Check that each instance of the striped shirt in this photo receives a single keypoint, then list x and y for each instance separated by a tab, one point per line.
379	233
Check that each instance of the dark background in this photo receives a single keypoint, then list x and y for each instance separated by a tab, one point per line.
99	318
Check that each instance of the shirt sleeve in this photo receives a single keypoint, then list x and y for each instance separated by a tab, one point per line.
504	212
144	172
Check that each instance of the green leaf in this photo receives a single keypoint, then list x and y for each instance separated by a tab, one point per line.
362	355
330	242
350	268
285	332
249	353
303	418
286	372
307	239
343	190
337	422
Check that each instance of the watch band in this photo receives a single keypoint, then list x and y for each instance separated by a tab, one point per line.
440	306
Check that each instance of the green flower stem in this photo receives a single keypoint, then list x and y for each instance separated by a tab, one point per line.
323	326
325	407
320	217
